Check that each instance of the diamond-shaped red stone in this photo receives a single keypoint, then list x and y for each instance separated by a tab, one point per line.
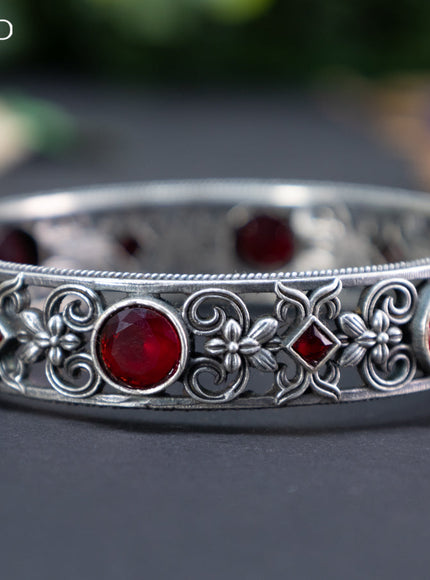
139	347
265	242
313	345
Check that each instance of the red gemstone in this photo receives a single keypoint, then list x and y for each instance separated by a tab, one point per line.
313	345
139	347
130	245
18	246
265	242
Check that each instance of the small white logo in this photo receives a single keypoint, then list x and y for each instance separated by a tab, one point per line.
9	29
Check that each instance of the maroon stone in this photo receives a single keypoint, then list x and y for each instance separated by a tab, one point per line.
139	347
313	345
18	246
265	242
130	245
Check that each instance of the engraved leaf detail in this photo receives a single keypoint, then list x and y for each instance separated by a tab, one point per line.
290	297
237	349
327	296
37	339
376	338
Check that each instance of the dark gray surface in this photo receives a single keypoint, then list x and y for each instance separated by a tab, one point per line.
328	492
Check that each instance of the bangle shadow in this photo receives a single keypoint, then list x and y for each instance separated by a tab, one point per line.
397	412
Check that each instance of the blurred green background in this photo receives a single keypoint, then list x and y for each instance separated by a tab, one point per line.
365	63
228	40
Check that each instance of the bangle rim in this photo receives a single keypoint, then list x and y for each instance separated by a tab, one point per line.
75	201
307	290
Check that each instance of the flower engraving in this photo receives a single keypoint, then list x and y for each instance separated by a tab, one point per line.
255	347
377	338
55	334
373	340
53	341
233	345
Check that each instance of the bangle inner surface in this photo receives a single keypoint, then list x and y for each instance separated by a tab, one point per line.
215	227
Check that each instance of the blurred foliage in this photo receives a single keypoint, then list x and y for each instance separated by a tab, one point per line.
49	129
198	40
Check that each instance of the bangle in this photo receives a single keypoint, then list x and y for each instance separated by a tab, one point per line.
287	311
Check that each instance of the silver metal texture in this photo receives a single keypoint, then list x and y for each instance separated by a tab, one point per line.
240	330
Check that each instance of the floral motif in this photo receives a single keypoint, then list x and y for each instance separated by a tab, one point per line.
235	346
373	339
36	339
377	338
54	334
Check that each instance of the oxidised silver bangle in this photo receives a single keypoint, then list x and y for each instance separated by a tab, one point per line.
71	332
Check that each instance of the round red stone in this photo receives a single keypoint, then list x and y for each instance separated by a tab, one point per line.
18	246
139	347
265	242
313	345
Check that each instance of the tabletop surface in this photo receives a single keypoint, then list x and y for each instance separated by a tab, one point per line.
323	492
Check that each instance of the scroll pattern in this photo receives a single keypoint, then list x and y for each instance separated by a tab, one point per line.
235	344
373	340
54	334
228	343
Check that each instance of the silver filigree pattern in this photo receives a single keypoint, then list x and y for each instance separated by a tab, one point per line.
64	378
378	338
226	389
234	345
13	372
222	300
14	298
80	306
54	334
286	327
301	313
71	310
53	340
14	295
373	340
235	348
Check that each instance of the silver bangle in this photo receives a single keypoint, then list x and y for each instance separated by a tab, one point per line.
330	329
